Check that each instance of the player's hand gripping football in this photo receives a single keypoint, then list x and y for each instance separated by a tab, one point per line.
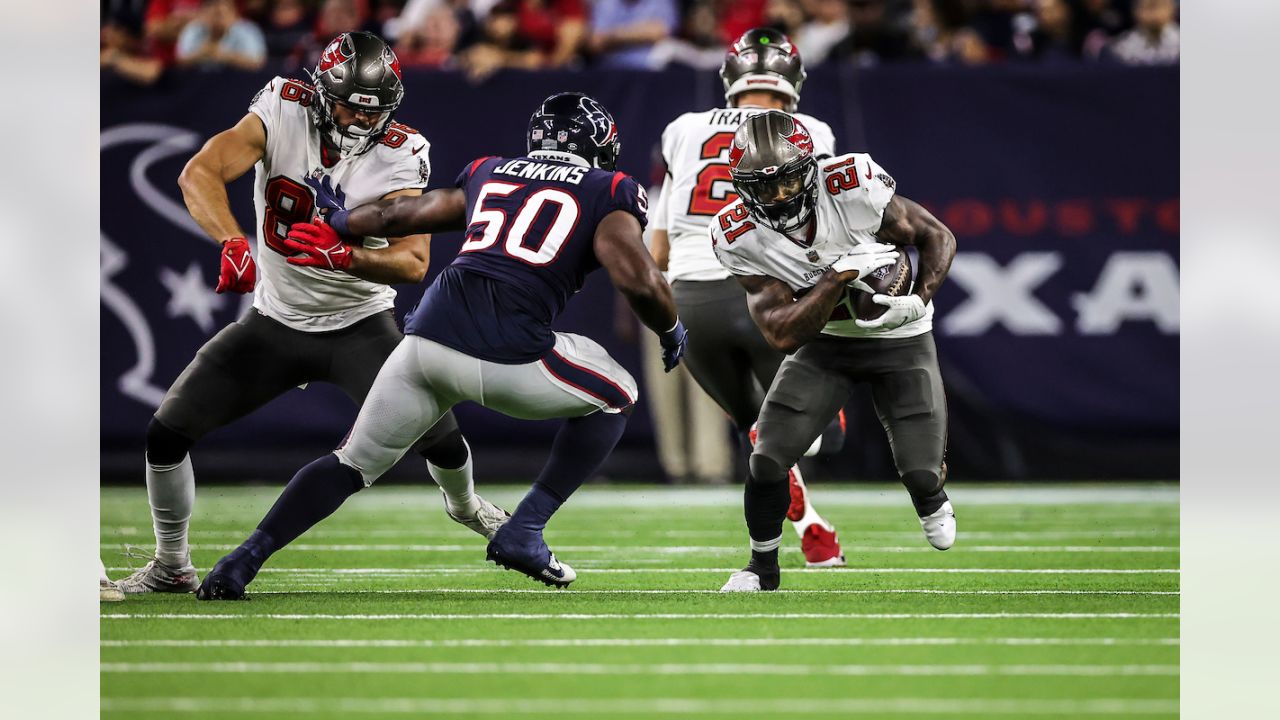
331	203
901	310
674	342
237	272
866	259
316	244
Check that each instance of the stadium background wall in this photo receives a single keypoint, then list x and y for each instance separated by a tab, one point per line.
1058	328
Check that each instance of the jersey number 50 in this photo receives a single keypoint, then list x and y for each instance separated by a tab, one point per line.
490	224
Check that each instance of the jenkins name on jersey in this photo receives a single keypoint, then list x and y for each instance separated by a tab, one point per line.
305	298
852	194
695	147
528	248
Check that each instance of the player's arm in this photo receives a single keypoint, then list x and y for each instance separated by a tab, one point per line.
225	157
404	260
905	222
440	210
788	323
619	246
660	248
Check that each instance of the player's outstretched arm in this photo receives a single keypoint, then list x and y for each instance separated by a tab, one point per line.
619	246
437	211
788	323
225	157
905	222
405	259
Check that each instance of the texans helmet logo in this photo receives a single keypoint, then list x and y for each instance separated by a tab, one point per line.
603	129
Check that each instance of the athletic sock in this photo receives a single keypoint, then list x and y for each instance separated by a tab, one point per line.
580	448
313	494
458	486
764	504
926	490
171	492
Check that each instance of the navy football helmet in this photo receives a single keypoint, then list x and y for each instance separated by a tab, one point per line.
575	124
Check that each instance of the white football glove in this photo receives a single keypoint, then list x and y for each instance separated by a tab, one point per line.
866	259
902	310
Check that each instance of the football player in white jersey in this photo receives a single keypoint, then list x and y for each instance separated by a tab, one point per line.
727	356
320	313
799	238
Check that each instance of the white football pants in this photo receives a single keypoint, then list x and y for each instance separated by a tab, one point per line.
423	379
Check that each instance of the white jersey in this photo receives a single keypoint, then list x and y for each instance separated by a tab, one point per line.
305	298
852	194
695	147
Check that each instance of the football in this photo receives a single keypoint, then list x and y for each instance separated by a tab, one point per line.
889	280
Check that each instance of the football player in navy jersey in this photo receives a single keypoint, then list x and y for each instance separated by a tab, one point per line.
535	227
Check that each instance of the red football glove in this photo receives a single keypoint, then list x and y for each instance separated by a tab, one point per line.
316	244
237	272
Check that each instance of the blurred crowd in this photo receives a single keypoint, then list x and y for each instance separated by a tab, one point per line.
140	38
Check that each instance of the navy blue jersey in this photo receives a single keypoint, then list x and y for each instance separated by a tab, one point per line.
527	250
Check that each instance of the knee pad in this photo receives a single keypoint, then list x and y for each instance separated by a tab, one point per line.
450	452
165	446
765	469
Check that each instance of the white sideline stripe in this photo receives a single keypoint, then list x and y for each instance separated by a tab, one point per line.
482	570
551	591
651	642
712	549
648	706
682	669
637	616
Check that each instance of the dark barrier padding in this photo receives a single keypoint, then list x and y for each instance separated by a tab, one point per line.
1058	326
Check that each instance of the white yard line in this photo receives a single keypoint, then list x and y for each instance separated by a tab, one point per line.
479	569
691	549
708	591
652	642
638	616
1140	497
680	669
645	706
414	531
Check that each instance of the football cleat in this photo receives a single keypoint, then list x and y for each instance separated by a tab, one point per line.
109	592
486	520
821	547
940	527
529	556
233	573
158	577
753	579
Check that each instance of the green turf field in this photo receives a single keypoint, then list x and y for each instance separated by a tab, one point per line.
1057	601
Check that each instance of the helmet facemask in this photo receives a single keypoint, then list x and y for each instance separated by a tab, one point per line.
353	139
782	198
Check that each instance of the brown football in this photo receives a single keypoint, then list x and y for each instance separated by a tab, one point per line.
888	280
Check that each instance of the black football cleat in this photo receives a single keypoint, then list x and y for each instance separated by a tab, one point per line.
530	556
232	574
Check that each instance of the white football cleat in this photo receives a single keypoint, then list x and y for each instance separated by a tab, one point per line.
109	592
940	527
158	577
486	521
742	581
